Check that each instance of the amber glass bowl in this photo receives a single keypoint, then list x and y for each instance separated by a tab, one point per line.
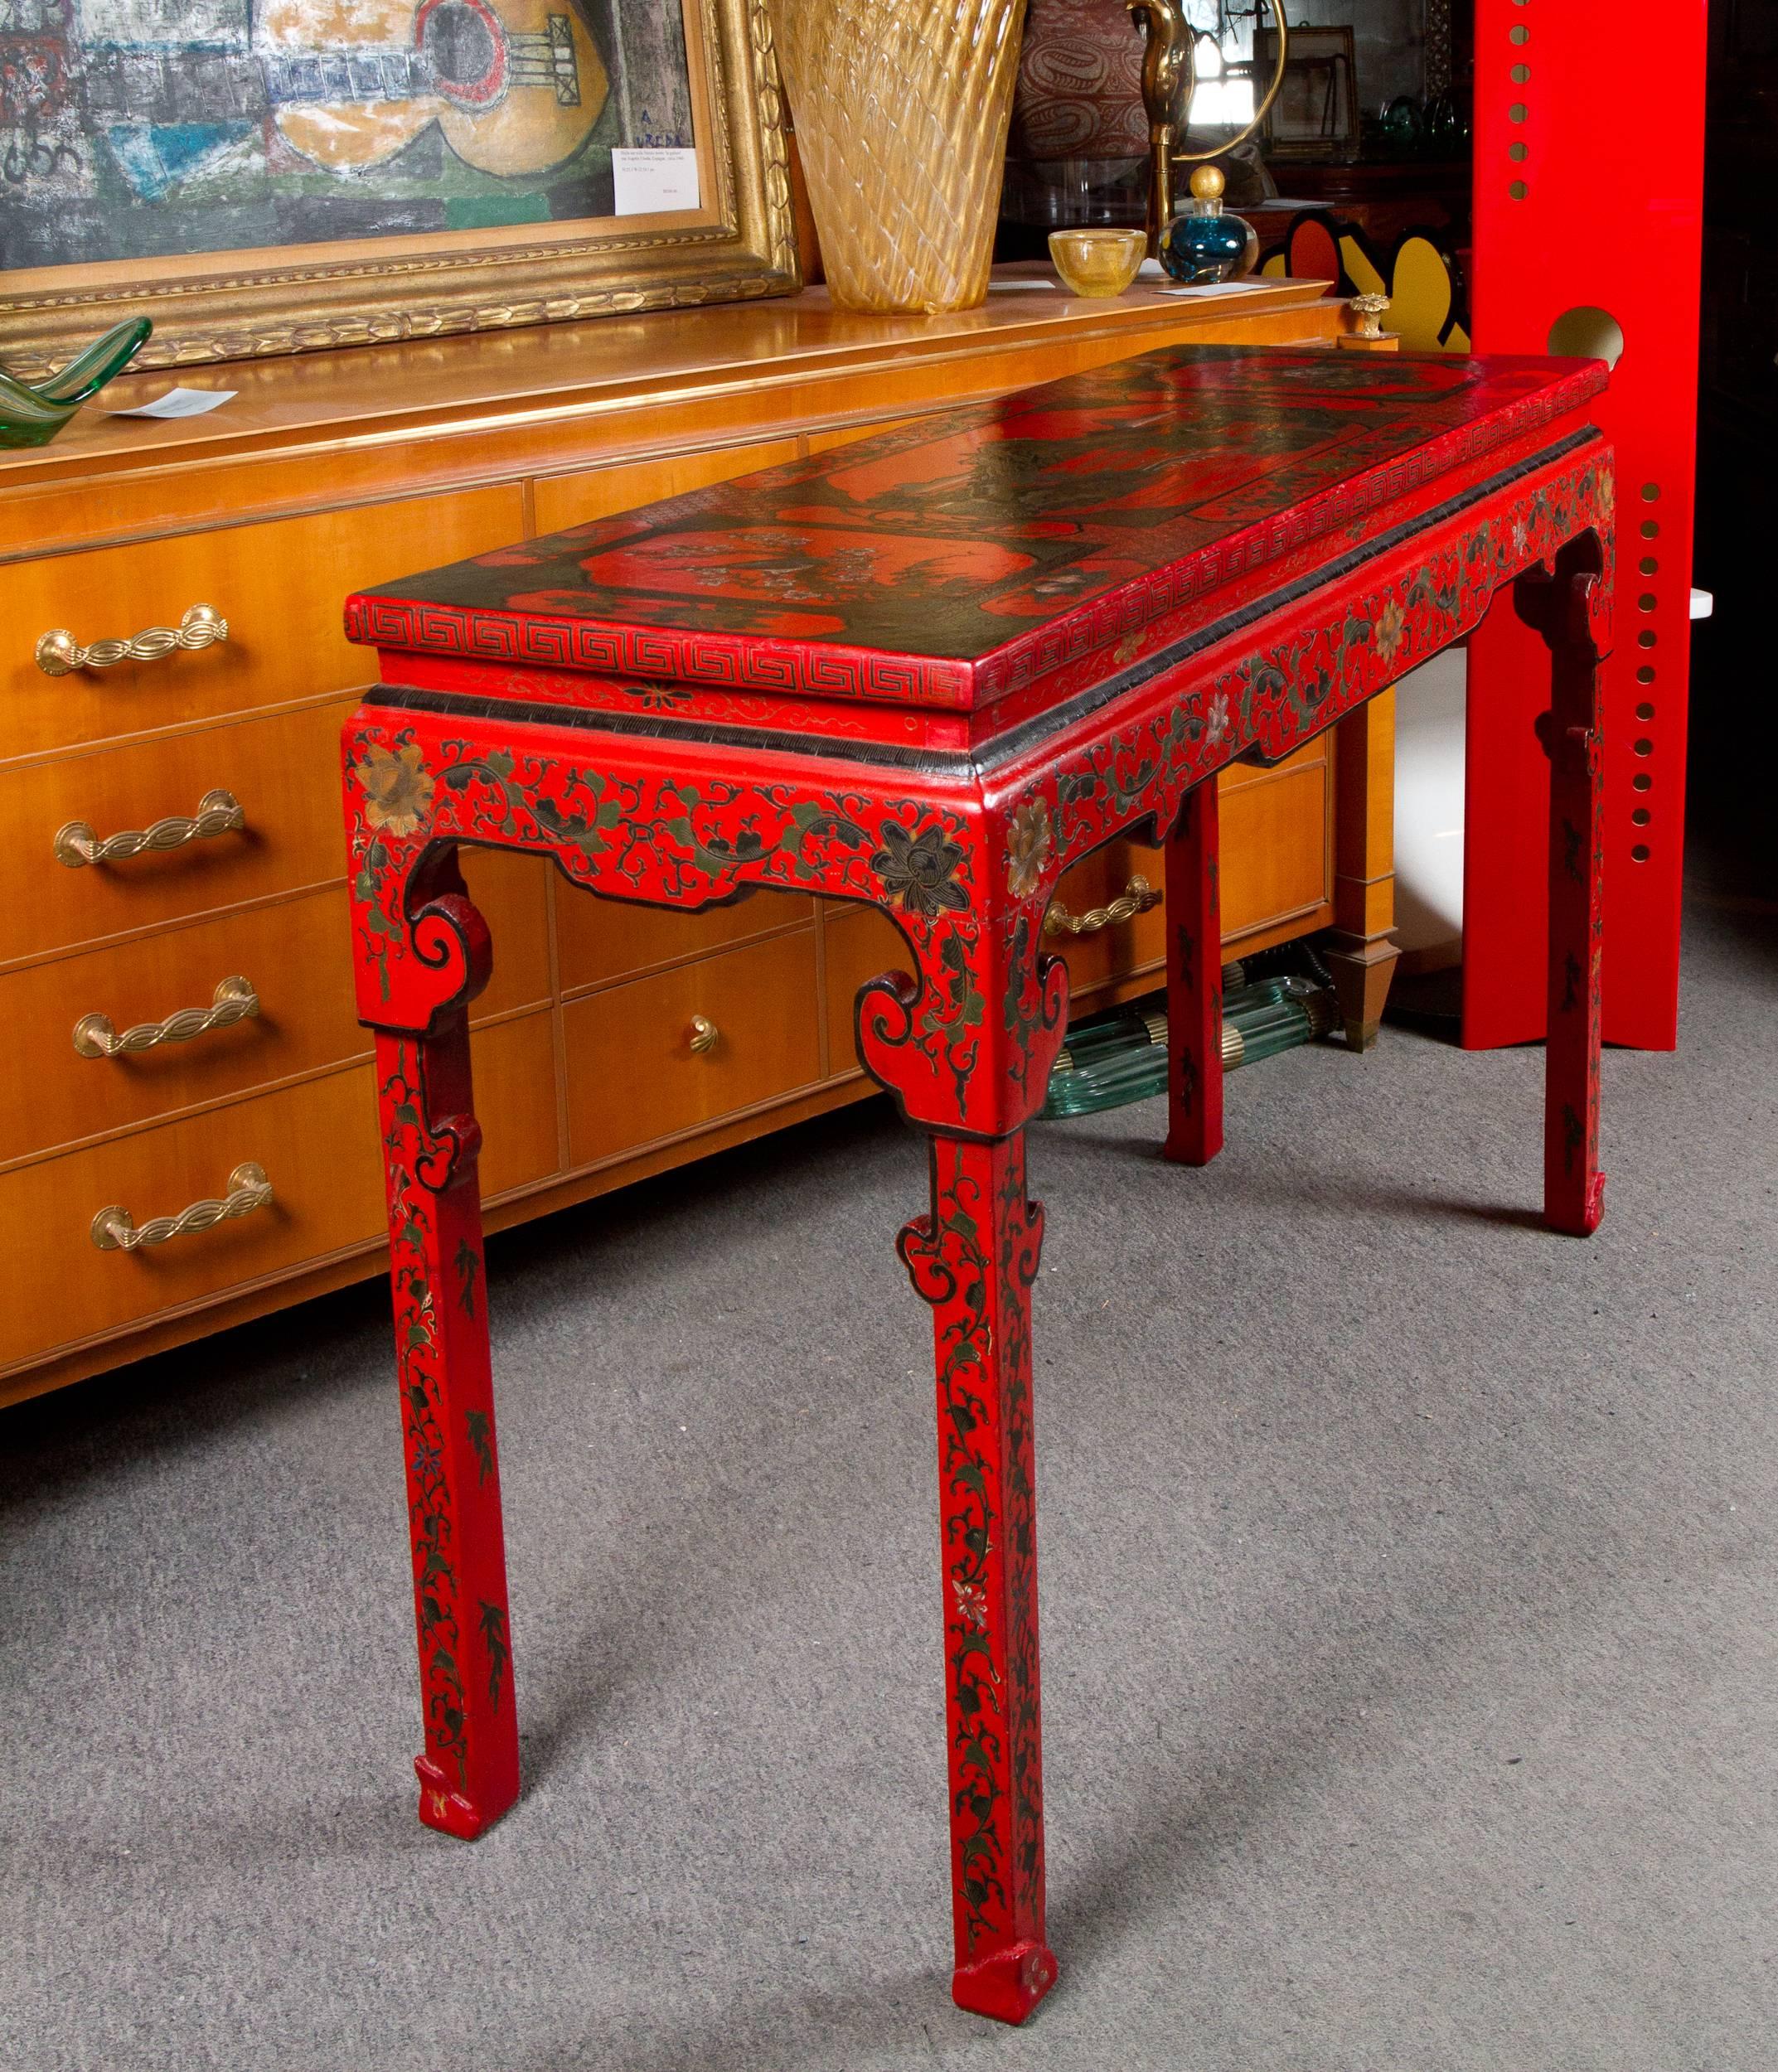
1097	261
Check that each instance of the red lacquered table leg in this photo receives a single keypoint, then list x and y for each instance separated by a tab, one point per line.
974	1259
1573	1185
469	1773
1195	983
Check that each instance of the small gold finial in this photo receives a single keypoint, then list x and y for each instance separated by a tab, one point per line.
1207	183
1369	309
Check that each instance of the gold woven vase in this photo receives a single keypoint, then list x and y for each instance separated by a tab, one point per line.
901	109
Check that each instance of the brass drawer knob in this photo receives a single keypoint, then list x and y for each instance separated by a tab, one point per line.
60	654
1137	897
114	1229
218	813
233	1000
704	1035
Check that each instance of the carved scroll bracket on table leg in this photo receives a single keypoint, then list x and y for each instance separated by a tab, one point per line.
421	951
451	942
968	1047
422	954
424	951
1563	607
989	1012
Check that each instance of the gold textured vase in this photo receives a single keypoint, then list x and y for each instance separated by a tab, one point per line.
901	109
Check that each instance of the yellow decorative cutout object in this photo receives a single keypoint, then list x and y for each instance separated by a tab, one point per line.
1420	295
1418	288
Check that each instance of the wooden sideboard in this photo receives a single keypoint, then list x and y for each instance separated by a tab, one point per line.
350	468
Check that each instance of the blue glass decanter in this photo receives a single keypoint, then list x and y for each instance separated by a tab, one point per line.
1203	244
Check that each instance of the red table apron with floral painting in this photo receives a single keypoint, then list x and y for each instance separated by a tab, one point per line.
930	671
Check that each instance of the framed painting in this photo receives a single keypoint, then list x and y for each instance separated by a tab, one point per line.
280	176
1315	117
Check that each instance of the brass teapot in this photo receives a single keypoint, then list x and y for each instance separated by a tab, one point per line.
1168	75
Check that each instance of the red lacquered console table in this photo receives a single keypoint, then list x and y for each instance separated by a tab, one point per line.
930	671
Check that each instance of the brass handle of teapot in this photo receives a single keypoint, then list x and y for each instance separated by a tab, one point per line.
1168	77
1260	114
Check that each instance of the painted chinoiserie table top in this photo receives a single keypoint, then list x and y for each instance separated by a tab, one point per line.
928	673
951	562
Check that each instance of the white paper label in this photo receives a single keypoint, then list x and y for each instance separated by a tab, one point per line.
1210	288
650	183
180	403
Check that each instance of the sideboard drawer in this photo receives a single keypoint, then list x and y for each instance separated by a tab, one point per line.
294	959
279	770
317	1144
280	588
601	939
633	1074
1118	947
1278	846
862	944
289	956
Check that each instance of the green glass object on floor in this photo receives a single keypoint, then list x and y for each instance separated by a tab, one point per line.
1114	1058
33	416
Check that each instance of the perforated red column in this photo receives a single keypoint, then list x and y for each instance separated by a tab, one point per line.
1589	197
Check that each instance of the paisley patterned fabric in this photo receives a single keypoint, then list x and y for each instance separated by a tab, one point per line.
1079	93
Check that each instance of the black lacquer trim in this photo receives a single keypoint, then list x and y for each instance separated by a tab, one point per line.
584	720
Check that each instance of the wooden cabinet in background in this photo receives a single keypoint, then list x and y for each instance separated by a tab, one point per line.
613	1041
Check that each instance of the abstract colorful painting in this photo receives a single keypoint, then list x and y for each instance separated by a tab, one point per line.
137	128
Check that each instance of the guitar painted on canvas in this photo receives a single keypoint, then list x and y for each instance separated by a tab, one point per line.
515	86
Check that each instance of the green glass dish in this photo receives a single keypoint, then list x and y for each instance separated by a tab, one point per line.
33	416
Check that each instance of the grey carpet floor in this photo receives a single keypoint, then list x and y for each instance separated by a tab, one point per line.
1410	1627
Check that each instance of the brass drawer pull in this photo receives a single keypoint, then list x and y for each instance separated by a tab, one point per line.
114	1229
218	813
94	1035
704	1035
1137	897
60	654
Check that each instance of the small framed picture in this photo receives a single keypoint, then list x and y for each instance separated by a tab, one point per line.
1317	114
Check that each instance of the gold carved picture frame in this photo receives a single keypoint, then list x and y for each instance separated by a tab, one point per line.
738	244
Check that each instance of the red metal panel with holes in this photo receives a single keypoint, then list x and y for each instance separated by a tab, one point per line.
1595	118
